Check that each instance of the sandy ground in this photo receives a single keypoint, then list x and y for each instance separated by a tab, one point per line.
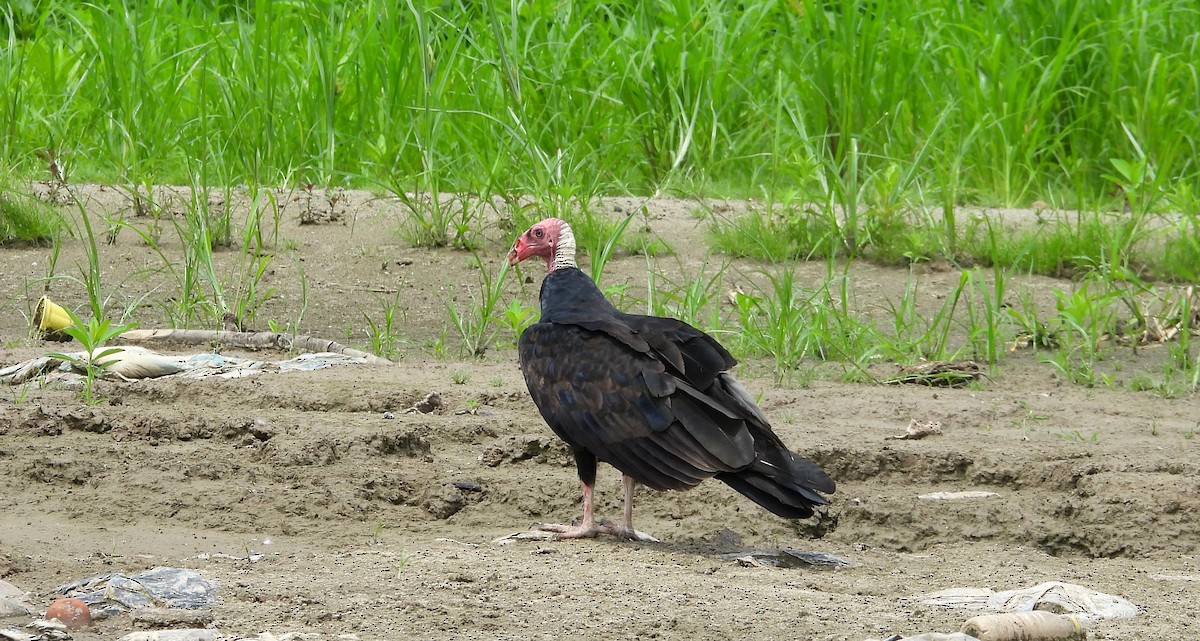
316	514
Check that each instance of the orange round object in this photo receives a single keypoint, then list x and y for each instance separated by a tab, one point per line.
71	612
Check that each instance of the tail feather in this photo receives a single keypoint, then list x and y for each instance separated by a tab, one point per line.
783	483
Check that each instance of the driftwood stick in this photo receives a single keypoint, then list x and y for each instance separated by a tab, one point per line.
248	340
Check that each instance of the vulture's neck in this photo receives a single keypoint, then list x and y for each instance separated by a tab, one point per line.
570	291
564	251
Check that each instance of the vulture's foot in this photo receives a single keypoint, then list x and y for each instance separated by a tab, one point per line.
575	531
624	532
585	531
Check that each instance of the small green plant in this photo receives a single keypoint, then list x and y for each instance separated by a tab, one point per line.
620	296
91	336
402	561
1031	330
460	377
383	335
1076	435
437	346
477	324
191	303
91	276
1142	383
518	316
694	300
250	294
788	324
19	394
255	239
1029	415
599	238
1073	369
919	336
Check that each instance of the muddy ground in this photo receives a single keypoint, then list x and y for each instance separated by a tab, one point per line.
316	514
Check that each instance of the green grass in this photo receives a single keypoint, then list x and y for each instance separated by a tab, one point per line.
26	220
23	218
849	104
862	129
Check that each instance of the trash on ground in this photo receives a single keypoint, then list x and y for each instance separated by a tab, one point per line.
133	363
249	340
110	594
956	496
1025	626
788	558
431	403
1052	596
939	374
916	430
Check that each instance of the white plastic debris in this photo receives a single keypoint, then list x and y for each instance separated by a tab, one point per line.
1025	626
956	496
1053	596
135	362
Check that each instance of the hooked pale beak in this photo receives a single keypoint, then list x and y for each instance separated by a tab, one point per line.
517	253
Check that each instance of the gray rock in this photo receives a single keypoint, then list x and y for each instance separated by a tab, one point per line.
11	607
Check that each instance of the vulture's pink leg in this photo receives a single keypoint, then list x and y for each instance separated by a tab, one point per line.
588	527
626	531
628	485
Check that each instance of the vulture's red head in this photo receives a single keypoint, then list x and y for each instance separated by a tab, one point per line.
550	240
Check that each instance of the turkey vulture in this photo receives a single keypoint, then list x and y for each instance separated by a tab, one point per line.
648	395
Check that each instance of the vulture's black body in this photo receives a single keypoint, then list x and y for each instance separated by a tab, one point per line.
651	397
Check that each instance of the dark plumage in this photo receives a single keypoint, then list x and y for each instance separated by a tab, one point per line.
648	395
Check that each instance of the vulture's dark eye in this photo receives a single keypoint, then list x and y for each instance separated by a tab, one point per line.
539	233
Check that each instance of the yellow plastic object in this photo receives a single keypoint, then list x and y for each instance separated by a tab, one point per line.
50	320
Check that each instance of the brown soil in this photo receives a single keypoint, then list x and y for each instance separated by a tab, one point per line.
363	529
